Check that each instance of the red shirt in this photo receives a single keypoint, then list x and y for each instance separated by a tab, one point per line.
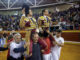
51	40
48	50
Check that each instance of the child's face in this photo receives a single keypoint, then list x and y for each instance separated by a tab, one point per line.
35	38
58	34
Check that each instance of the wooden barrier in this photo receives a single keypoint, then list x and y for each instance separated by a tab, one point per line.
71	35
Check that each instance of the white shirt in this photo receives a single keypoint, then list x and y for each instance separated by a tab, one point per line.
45	17
14	45
56	49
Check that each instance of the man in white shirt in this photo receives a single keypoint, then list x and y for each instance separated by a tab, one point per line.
58	43
17	48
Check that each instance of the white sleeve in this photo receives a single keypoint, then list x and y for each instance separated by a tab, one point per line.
61	41
12	46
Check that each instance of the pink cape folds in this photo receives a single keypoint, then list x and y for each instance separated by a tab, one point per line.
27	24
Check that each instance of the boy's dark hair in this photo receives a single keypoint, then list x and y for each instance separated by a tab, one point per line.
59	31
40	34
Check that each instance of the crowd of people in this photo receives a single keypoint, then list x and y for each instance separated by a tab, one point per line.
65	20
69	19
9	23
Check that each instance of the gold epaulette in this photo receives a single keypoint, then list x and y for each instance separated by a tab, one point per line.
41	18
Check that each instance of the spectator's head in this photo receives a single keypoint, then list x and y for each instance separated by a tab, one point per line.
35	37
17	37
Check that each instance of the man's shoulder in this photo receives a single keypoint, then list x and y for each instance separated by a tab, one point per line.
26	18
41	17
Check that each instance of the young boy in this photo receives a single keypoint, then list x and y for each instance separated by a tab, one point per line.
36	44
58	43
